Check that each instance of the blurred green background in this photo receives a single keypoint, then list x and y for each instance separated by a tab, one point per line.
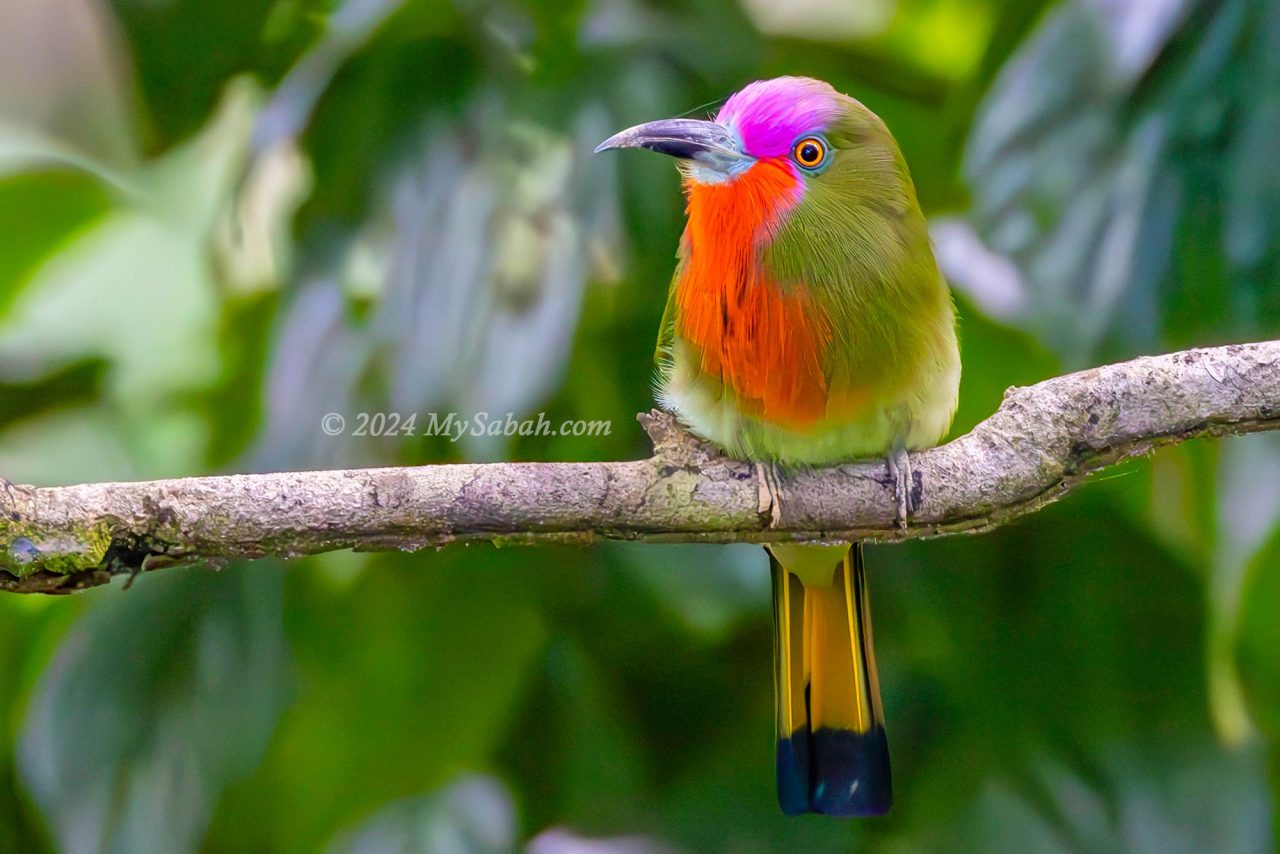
221	220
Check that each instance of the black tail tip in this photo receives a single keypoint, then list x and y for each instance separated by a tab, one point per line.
836	772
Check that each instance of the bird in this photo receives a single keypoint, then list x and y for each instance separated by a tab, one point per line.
808	323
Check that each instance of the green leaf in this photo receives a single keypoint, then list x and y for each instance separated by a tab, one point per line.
407	678
473	815
575	744
184	52
729	582
1258	645
75	384
994	358
1166	797
156	700
29	628
134	291
1119	161
40	211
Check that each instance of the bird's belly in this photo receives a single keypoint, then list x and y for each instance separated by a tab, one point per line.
712	412
917	416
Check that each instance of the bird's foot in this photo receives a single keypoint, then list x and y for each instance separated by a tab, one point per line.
900	473
772	493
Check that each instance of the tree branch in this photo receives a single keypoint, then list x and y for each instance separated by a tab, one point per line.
1041	443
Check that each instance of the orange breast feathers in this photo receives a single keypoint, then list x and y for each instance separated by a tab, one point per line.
761	340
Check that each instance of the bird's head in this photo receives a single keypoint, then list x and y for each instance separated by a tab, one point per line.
809	138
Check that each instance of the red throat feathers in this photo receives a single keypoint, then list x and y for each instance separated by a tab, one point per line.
764	340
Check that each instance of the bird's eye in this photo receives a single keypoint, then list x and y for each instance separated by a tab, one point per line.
810	152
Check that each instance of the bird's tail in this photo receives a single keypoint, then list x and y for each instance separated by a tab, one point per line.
833	757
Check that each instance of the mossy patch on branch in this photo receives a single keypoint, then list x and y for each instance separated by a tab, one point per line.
26	549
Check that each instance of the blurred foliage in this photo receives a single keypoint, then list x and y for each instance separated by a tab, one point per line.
187	677
1147	220
223	221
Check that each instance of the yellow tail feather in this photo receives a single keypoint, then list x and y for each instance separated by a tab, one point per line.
832	752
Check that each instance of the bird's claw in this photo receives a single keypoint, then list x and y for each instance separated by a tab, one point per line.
900	473
771	492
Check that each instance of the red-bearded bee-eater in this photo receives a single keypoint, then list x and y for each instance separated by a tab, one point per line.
808	323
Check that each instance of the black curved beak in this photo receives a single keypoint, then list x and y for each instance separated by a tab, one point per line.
708	143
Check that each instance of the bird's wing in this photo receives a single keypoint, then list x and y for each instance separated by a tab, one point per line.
666	329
